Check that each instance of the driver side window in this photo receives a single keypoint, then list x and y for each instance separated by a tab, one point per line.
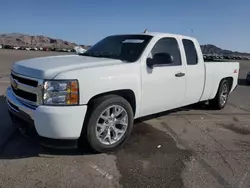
170	46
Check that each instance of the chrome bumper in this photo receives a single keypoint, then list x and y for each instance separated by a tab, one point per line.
15	106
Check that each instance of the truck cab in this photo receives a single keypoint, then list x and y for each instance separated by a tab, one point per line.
179	79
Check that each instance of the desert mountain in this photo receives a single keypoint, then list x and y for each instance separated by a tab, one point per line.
212	49
18	39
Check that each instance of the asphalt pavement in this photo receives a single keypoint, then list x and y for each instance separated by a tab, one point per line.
189	147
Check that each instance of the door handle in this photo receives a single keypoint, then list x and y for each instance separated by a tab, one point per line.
180	74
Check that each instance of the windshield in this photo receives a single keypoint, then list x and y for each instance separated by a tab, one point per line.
124	47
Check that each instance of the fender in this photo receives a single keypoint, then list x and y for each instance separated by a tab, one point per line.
216	86
99	80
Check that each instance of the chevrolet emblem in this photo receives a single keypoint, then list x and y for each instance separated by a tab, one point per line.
14	84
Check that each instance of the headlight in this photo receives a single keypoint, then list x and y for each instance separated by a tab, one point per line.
57	92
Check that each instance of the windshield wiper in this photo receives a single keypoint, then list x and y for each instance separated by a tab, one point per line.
105	56
98	55
85	54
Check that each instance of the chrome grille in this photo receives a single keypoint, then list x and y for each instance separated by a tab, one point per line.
27	90
25	81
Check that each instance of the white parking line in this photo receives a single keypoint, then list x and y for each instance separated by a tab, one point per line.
102	172
4	81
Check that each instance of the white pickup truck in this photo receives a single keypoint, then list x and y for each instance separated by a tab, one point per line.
98	94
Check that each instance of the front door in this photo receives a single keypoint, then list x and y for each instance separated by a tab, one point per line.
163	87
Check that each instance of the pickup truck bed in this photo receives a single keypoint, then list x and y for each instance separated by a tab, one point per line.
215	72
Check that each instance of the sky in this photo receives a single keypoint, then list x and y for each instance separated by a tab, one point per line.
224	23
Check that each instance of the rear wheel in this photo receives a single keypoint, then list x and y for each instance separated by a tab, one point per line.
221	97
109	124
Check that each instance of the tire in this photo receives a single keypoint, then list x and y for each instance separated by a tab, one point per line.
217	103
97	108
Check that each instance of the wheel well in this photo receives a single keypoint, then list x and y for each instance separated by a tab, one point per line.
125	93
230	82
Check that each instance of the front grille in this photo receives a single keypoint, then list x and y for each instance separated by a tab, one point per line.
25	95
27	90
25	81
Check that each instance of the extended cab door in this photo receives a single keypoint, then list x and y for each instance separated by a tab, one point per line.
163	86
195	71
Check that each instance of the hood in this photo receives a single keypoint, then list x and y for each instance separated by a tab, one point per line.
49	67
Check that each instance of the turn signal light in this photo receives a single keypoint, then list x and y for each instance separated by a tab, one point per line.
73	90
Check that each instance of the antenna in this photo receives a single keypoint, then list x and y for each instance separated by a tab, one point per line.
192	32
145	31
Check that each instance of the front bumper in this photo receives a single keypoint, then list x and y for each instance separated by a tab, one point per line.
54	122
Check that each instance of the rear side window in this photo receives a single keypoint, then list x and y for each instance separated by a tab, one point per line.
190	51
168	45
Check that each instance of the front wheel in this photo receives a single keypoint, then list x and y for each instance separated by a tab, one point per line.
110	123
221	97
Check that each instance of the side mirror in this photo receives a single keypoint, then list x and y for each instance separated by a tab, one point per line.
160	59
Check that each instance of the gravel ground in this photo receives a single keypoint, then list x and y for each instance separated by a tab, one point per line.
189	147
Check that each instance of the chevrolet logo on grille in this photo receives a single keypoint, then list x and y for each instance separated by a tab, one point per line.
14	83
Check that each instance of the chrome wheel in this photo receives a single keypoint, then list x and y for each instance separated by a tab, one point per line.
224	94
111	124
